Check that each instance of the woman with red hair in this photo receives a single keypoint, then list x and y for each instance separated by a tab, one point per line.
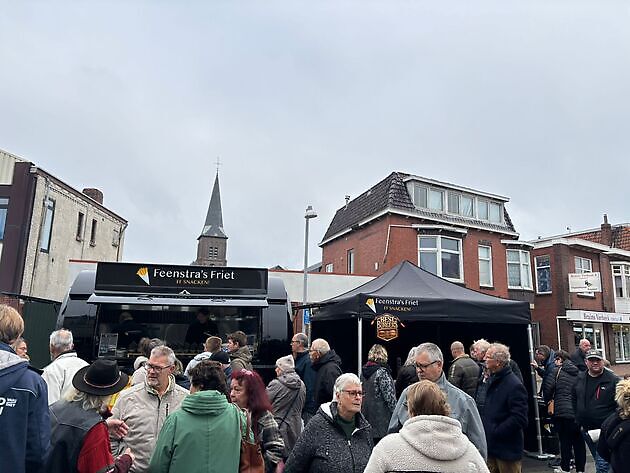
247	390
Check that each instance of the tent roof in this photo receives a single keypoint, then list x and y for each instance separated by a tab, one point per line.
413	294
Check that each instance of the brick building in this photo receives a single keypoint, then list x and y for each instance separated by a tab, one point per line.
602	317
463	235
45	223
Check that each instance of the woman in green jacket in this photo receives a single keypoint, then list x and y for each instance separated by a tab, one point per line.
204	435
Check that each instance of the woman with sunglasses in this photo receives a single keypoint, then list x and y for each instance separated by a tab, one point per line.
247	391
338	438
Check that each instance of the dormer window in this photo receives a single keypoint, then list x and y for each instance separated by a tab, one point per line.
455	202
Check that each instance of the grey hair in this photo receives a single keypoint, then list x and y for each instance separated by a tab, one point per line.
411	358
457	346
163	350
481	345
89	402
62	339
501	353
435	354
342	381
321	346
302	338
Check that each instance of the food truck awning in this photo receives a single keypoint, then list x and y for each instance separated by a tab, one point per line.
177	301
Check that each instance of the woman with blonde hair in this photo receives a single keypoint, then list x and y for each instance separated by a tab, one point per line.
429	440
614	439
379	398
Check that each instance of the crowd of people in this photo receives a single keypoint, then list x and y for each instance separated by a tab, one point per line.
312	417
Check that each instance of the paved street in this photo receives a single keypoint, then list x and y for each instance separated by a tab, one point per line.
533	465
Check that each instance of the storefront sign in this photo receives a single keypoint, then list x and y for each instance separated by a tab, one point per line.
585	282
595	316
387	327
165	279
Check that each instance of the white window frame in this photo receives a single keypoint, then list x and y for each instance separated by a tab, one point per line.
350	266
438	250
580	268
48	221
524	269
329	268
487	260
621	332
622	271
537	267
459	196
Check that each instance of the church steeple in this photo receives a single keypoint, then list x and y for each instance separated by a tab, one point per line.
212	243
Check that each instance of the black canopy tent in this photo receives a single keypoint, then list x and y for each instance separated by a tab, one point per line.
420	307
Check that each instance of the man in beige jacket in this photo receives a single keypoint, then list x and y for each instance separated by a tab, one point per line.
145	406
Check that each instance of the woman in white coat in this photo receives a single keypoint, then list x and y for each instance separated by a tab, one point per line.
429	440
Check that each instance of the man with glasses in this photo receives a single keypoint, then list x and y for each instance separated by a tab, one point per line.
144	407
429	366
594	400
299	350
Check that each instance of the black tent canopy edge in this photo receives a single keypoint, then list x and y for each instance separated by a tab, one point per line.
413	294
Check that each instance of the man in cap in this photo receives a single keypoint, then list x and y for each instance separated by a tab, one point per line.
594	401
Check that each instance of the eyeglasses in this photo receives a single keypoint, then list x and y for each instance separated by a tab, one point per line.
353	393
157	369
295	341
420	366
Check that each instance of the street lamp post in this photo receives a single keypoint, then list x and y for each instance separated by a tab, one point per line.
310	213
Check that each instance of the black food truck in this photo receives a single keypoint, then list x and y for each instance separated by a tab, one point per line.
110	309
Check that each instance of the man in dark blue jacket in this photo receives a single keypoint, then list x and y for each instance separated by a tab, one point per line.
504	414
24	417
299	350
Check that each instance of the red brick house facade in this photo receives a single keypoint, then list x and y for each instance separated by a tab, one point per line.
602	317
461	234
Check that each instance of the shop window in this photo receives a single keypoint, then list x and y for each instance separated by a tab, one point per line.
441	256
485	266
519	272
543	274
592	332
622	342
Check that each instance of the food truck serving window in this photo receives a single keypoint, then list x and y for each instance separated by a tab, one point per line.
184	328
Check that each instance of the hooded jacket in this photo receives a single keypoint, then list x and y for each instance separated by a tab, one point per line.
328	369
463	409
144	412
561	388
203	436
287	394
241	359
547	372
23	414
614	442
427	443
379	398
323	447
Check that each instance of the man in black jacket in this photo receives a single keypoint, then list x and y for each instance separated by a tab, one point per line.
504	413
299	350
594	400
327	364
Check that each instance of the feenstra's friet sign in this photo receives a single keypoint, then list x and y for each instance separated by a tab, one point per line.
162	279
379	305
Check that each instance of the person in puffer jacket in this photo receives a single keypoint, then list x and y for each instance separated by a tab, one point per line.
379	396
337	439
560	390
429	440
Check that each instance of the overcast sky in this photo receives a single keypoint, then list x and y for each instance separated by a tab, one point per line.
306	102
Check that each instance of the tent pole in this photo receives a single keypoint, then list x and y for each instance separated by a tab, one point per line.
540	454
359	344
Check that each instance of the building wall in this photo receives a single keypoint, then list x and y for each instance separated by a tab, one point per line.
395	234
45	273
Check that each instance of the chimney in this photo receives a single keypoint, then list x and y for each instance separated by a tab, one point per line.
606	232
347	200
94	194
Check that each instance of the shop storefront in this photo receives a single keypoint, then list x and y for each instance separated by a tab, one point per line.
598	327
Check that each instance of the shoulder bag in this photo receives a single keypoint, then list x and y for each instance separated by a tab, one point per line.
251	455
